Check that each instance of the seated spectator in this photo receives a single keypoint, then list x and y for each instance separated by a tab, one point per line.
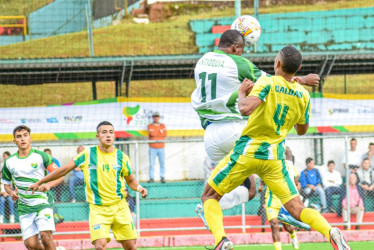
311	184
366	178
60	187
5	197
354	156
76	179
370	155
356	202
332	180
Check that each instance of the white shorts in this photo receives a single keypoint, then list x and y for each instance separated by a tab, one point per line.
220	138
32	224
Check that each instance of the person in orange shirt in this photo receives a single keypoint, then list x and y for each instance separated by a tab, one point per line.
157	131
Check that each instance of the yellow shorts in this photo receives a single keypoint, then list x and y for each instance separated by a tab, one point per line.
273	205
116	217
235	168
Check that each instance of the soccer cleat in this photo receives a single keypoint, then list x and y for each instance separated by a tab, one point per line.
295	242
200	212
286	217
337	240
224	244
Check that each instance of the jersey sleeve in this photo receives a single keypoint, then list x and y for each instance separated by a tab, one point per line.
246	69
304	119
6	175
80	159
126	170
261	88
47	159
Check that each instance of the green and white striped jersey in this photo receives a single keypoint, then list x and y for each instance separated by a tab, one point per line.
218	76
23	172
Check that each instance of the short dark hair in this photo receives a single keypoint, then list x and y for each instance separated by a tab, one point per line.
371	144
102	124
47	149
353	139
7	153
365	159
291	59
330	162
230	37
308	160
20	128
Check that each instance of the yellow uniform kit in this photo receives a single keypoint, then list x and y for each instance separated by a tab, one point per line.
272	202
261	147
105	189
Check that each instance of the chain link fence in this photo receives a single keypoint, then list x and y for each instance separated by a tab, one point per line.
169	207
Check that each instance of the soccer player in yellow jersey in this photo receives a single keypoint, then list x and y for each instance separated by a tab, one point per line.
105	170
275	105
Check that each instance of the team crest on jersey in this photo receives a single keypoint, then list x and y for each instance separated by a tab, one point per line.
91	166
34	165
96	226
48	216
116	167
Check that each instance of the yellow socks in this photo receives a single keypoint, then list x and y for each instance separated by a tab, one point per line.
316	221
214	218
278	245
293	234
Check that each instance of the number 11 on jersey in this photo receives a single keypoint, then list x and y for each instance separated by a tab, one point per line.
213	85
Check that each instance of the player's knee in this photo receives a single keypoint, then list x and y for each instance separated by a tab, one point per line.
274	224
100	244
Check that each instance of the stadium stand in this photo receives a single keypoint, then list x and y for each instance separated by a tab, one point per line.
309	31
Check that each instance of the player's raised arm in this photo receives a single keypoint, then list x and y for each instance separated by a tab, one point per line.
247	104
54	175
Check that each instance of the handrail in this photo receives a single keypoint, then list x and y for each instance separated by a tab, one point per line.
23	25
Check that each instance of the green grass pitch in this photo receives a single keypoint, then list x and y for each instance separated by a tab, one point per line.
364	245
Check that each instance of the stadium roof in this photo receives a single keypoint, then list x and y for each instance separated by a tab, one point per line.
125	69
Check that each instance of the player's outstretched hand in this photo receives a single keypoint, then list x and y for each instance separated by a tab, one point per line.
143	191
246	87
44	188
34	187
311	80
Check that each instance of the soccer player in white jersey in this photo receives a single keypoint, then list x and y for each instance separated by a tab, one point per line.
218	76
24	168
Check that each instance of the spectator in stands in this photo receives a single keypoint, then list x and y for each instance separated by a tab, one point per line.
356	202
366	178
332	181
311	183
157	131
5	197
354	157
370	155
76	179
60	187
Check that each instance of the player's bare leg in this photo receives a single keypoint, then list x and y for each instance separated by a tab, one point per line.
33	243
47	240
100	244
274	225
128	244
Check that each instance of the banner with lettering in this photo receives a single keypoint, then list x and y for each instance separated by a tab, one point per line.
130	117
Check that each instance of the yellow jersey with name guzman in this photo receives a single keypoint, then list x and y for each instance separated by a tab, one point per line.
283	105
104	175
